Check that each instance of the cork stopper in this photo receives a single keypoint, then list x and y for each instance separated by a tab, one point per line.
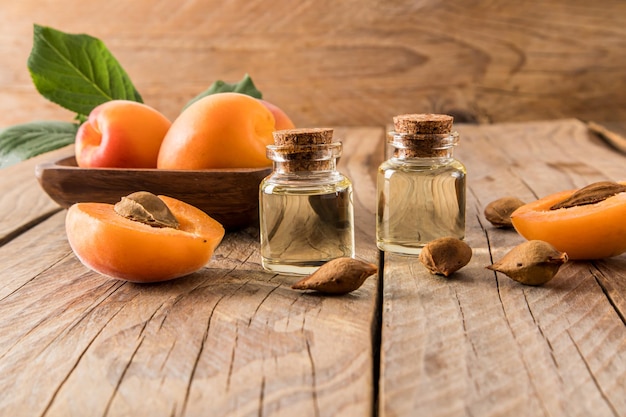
423	124
305	149
300	137
421	135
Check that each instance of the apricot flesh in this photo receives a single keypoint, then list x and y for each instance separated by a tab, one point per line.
592	231
121	248
224	130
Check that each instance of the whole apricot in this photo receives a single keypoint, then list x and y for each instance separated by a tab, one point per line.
589	231
118	247
224	130
282	121
121	134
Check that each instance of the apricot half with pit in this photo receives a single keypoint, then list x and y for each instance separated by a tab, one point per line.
593	230
120	247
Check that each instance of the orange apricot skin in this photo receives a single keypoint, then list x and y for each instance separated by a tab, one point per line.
121	134
224	130
282	121
593	231
128	250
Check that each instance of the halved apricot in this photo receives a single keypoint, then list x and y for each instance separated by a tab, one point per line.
591	231
113	245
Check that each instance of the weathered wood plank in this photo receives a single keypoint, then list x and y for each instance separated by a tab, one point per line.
229	340
234	340
22	202
346	63
479	343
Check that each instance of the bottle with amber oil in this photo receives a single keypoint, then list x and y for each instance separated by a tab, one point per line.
305	204
421	187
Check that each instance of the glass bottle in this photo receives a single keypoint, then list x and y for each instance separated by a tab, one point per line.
421	187
306	209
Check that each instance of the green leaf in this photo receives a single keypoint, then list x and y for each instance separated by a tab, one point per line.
244	86
23	141
77	72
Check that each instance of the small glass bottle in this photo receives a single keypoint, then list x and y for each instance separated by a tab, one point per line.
421	187
305	205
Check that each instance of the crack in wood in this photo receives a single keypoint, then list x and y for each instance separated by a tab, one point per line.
107	408
67	329
167	356
377	331
232	357
313	376
596	273
75	365
203	343
293	302
261	397
471	343
27	226
256	310
199	354
510	328
43	271
531	380
529	187
112	289
592	375
464	324
543	335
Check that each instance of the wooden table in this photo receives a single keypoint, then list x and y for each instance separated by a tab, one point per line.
233	340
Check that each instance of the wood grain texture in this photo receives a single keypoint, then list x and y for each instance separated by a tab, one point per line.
479	343
22	202
234	340
229	340
346	63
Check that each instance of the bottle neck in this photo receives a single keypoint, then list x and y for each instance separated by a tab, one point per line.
317	158
410	146
419	154
302	167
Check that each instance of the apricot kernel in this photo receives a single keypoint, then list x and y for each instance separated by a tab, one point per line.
591	194
146	208
498	212
445	255
338	276
533	262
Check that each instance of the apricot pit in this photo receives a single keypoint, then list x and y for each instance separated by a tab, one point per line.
445	255
534	262
338	276
498	212
146	208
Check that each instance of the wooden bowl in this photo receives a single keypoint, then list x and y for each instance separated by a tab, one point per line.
229	196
